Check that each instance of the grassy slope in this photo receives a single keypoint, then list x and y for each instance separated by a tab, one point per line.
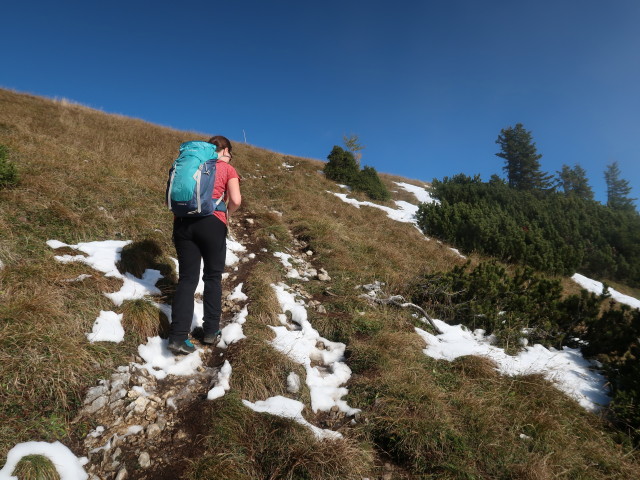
90	176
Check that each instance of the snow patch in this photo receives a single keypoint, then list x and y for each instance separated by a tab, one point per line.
107	328
160	362
300	343
597	287
421	193
291	409
566	368
222	383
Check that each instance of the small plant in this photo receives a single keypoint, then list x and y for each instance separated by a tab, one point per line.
8	171
142	319
36	467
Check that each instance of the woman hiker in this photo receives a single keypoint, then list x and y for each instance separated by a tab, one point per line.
203	238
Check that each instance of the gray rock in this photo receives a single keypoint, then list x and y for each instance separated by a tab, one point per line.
116	407
96	405
95	392
122	474
324	275
120	380
321	309
140	404
144	460
117	395
309	253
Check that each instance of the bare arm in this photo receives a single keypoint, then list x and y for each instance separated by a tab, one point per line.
234	199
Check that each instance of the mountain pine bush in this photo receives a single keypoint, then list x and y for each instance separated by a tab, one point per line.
343	168
548	231
510	307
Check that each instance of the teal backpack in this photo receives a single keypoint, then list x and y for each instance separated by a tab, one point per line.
191	180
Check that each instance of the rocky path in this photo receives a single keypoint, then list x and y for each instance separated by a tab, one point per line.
143	427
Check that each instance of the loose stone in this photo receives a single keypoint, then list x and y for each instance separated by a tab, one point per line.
153	430
95	392
144	460
97	404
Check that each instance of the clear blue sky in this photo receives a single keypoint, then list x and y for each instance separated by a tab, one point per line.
427	85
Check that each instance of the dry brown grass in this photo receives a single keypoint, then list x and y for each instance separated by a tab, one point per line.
248	445
35	467
142	319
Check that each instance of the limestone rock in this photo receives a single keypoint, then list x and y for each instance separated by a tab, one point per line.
153	430
95	392
96	405
144	460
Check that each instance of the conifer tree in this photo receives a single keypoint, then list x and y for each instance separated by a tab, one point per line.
574	182
342	166
522	164
618	189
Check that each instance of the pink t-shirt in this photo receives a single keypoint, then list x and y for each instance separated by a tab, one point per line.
224	173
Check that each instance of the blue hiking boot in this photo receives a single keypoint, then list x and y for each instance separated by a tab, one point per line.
181	347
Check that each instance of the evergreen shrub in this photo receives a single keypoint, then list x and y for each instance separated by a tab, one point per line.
548	231
342	167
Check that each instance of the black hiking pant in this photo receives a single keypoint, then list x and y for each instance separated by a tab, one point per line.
195	239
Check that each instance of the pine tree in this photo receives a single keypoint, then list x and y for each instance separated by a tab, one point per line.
342	166
574	182
522	164
618	190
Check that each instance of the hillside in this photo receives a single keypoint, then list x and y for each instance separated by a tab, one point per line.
379	408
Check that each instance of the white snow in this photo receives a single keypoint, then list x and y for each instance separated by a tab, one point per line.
285	258
68	466
596	287
233	331
566	368
293	383
292	409
134	288
406	212
421	193
233	247
102	256
301	345
160	362
237	294
222	382
230	334
107	328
